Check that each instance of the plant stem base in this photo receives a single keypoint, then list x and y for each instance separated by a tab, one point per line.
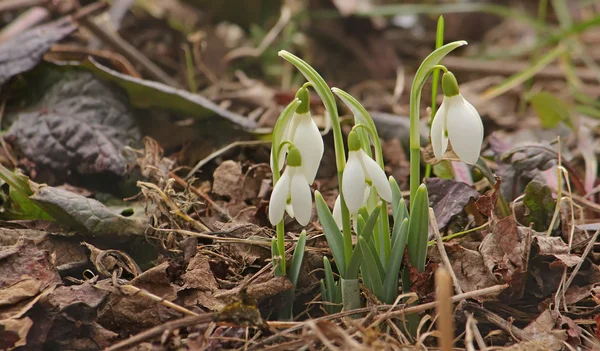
350	294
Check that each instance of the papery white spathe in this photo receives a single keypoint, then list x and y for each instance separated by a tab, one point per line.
291	194
460	122
360	173
337	211
303	132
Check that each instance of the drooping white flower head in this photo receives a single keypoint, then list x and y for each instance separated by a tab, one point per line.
360	175
291	193
303	132
458	121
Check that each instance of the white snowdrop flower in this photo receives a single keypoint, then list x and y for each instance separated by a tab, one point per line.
362	173
458	121
303	132
291	193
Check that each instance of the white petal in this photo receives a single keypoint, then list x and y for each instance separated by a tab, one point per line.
367	193
290	210
439	140
309	142
353	183
337	211
465	130
377	176
278	198
301	199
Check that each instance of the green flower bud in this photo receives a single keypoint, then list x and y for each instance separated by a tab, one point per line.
294	159
353	141
303	96
449	84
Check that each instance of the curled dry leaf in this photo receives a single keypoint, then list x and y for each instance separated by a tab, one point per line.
106	261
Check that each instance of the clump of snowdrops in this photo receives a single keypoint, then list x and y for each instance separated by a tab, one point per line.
365	193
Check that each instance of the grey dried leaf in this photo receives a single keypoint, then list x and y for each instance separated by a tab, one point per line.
81	123
24	51
87	215
448	198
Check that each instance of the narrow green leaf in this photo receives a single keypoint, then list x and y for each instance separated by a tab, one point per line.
396	196
332	233
323	291
355	262
360	221
390	283
383	238
367	231
370	268
329	281
297	258
524	75
374	253
418	229
401	217
400	233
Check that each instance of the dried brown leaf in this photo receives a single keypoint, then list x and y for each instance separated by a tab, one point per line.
26	272
13	332
468	265
133	313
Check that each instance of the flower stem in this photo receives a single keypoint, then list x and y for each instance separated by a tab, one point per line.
439	41
281	247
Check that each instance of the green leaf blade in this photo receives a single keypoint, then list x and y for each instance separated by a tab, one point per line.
418	229
332	233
